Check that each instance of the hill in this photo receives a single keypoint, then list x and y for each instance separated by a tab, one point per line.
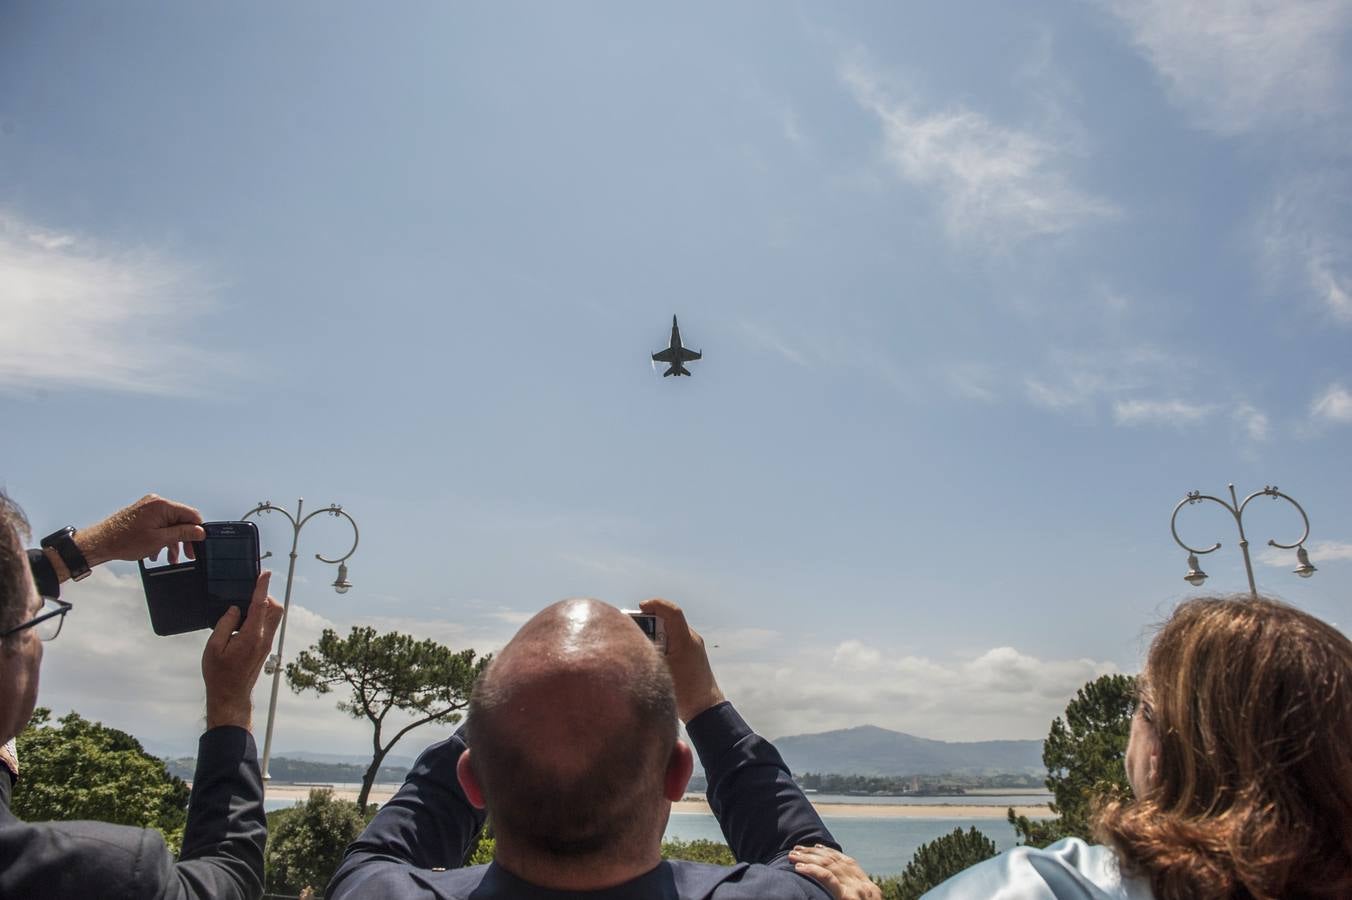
869	750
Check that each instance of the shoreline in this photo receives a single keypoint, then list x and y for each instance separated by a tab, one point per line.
696	805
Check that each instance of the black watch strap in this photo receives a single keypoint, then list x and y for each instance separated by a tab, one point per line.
44	576
63	542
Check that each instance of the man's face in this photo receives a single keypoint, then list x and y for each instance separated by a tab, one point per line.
20	659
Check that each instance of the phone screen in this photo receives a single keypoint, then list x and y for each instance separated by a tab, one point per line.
231	559
231	562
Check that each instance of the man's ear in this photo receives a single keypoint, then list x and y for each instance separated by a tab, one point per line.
468	782
679	767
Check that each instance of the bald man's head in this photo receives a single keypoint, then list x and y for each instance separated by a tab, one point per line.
571	729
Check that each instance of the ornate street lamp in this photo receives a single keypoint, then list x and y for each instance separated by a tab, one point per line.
340	584
1196	576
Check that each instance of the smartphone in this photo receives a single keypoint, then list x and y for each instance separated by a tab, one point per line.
194	594
229	562
651	626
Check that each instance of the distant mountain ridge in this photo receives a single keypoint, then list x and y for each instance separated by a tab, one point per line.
870	750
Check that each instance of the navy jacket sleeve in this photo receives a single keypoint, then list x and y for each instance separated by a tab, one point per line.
428	823
222	853
760	808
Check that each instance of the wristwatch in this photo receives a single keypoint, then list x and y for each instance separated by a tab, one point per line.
63	542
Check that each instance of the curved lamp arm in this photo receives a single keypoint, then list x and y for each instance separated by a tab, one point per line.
336	510
1271	491
266	506
1198	497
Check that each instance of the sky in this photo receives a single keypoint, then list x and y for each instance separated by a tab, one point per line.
983	289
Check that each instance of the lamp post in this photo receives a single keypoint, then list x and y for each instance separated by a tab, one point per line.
1196	576
340	584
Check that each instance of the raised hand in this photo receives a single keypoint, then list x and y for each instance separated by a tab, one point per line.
232	659
696	689
141	530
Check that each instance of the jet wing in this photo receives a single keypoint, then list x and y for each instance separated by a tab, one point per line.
689	355
667	356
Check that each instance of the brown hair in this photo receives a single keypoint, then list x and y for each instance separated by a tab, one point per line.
1252	705
14	572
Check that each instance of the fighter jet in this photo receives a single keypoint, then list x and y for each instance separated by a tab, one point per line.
676	354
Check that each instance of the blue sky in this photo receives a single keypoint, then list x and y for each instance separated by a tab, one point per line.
982	289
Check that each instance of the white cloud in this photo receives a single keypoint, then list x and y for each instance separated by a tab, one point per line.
1334	405
1240	66
1253	421
108	665
1320	551
82	314
1000	185
1160	412
999	693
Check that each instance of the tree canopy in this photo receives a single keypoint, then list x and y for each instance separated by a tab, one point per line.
383	672
80	769
306	842
1085	756
936	862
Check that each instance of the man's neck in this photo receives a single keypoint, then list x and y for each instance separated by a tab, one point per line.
582	874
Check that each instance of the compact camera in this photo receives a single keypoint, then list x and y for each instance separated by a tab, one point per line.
651	626
194	594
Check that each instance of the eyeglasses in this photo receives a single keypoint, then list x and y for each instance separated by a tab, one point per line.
47	622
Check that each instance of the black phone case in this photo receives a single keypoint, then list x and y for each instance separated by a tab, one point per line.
175	596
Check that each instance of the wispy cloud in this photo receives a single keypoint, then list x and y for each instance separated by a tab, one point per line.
996	184
84	314
1237	67
1253	421
1160	412
1333	405
973	381
763	337
1304	238
1128	383
1077	380
1320	551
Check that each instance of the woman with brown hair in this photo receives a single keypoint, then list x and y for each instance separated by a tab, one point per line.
1240	762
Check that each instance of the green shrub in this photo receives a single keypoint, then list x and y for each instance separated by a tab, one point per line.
306	842
698	851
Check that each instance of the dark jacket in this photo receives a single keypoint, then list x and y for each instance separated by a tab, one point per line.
222	856
414	846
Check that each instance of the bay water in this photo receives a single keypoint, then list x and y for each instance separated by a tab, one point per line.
882	845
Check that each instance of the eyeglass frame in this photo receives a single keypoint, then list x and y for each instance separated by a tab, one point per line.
37	620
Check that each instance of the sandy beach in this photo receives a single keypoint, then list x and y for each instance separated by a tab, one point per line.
697	805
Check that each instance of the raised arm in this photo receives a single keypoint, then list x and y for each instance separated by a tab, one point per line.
428	823
760	808
139	530
223	840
